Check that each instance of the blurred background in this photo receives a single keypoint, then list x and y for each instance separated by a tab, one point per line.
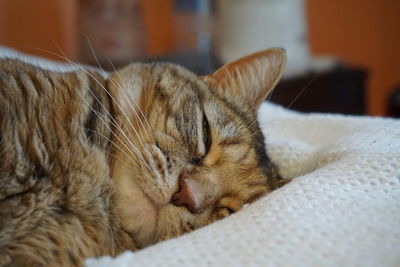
343	55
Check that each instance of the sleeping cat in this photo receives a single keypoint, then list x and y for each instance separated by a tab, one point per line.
93	165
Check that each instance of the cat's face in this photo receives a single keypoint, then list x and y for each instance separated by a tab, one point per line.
188	150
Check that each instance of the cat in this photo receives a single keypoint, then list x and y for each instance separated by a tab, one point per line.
93	165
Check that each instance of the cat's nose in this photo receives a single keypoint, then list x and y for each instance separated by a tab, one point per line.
184	196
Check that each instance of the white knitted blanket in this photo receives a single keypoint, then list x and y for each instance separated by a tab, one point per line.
342	208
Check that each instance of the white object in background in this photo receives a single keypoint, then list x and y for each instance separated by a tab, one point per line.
248	26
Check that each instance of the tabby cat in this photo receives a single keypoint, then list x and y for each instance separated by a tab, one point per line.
93	165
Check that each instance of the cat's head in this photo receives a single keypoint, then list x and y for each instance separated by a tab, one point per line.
187	149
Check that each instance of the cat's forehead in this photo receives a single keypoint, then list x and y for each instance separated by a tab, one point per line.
187	92
182	89
176	79
163	86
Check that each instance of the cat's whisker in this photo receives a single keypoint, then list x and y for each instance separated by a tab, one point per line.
253	123
251	126
102	86
270	95
125	94
256	132
118	128
103	136
302	91
136	104
120	90
136	150
119	87
114	147
135	113
93	53
114	124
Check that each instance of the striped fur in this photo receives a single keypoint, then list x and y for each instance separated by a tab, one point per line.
92	166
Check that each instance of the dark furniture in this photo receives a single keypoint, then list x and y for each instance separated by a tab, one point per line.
338	90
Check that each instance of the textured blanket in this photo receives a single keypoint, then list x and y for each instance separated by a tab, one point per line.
342	208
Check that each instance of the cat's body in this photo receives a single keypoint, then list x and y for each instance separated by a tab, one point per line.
55	186
93	166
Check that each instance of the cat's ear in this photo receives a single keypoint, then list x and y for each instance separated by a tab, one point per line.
249	80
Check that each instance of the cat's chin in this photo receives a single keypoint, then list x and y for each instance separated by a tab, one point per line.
136	212
148	223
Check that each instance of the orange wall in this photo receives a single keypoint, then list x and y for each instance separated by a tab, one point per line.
30	24
27	25
362	33
159	26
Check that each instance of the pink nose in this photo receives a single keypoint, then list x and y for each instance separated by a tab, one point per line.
184	197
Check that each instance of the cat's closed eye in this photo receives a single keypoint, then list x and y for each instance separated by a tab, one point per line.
206	142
